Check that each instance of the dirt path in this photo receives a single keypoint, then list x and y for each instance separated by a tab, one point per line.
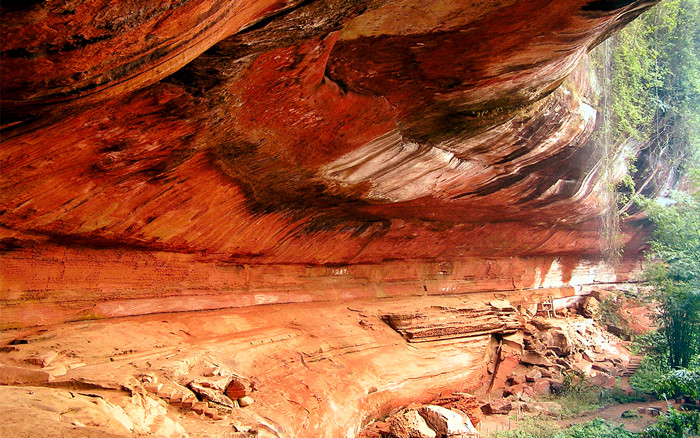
611	414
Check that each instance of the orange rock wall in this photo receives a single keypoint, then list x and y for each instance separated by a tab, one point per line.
58	284
204	154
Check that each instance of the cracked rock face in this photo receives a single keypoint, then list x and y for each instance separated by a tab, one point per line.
194	144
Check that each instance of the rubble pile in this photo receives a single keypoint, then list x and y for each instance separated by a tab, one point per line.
533	362
528	360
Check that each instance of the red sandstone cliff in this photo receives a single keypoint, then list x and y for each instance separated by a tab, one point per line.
160	150
162	157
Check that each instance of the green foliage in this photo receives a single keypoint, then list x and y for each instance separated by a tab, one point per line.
650	98
630	413
610	314
655	78
678	383
534	427
541	427
634	79
597	428
579	396
675	274
652	368
652	343
674	424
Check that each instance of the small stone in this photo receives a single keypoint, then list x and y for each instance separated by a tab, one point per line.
149	378
245	401
211	413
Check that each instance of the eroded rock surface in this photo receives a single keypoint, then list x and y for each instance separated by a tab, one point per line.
181	149
337	161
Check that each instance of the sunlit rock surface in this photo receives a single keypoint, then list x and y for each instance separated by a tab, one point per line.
205	155
195	148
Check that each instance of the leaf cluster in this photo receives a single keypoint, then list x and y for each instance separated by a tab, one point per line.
674	424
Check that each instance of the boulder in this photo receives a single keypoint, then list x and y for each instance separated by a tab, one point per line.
236	389
468	423
515	341
409	424
498	406
590	307
582	366
462	403
542	387
517	379
588	355
541	323
11	375
555	387
503	305
43	359
601	379
217	383
446	422
533	375
533	358
558	341
211	394
505	368
535	345
606	367
547	372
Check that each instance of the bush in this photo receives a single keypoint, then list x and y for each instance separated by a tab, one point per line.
674	424
535	427
649	372
595	429
678	383
578	396
651	344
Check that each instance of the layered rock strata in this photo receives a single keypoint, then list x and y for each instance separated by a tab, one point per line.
325	133
438	323
334	160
